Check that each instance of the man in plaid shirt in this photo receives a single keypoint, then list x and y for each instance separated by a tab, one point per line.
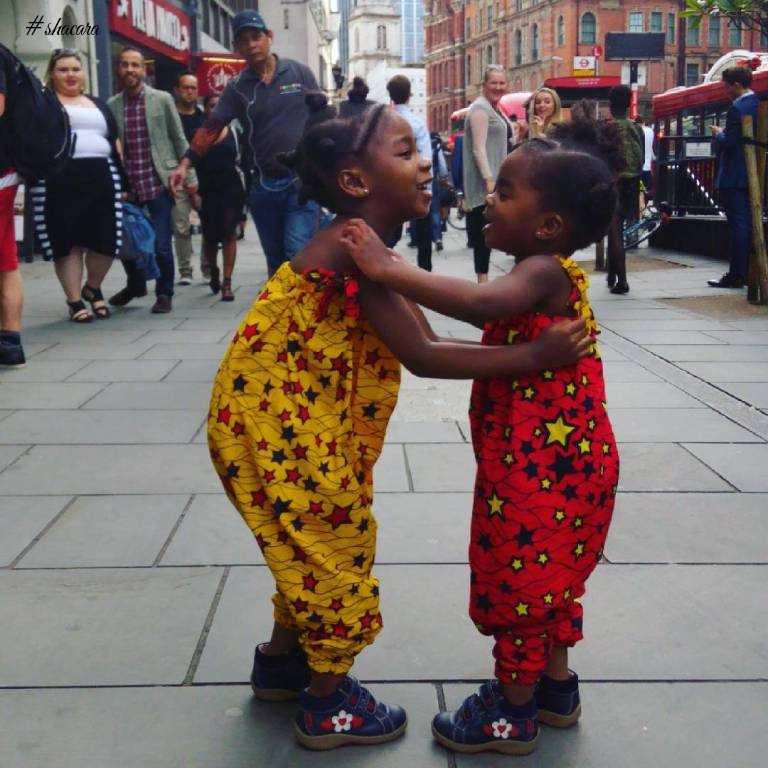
153	143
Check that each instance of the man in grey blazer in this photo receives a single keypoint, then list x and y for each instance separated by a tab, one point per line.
153	143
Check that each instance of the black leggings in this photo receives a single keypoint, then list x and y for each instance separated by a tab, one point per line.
475	222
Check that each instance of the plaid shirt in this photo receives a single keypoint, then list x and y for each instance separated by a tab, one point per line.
145	182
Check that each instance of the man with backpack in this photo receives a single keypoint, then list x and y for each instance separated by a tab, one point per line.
628	210
11	290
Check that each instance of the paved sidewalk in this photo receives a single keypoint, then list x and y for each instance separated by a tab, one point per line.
131	594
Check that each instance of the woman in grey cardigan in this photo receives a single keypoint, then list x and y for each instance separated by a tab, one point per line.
487	135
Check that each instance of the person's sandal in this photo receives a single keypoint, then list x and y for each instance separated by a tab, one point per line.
215	282
95	298
226	290
78	313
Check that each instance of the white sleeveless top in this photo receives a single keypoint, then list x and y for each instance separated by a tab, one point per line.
90	127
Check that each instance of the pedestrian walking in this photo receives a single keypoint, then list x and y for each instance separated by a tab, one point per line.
11	286
267	97
191	116
298	413
357	100
79	210
731	179
153	143
222	192
547	463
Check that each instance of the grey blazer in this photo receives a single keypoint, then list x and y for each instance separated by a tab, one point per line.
166	135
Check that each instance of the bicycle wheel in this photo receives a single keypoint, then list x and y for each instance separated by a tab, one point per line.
641	230
455	222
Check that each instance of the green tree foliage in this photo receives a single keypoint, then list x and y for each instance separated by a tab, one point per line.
745	14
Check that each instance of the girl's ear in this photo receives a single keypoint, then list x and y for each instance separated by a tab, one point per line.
549	226
351	182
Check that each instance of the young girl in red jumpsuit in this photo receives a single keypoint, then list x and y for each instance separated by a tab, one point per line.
547	464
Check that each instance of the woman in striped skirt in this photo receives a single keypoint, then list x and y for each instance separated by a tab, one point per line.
78	212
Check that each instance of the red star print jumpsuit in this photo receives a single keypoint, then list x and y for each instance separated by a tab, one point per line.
547	471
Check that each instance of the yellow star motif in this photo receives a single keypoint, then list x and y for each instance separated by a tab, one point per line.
543	558
548	598
518	642
521	609
570	388
512	335
606	448
558	431
517	564
515	385
508	459
507	432
546	484
578	550
578	522
585	446
529	393
548	375
591	424
537	432
567	595
584	379
514	675
495	506
559	515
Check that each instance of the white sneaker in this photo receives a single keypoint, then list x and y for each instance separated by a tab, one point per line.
185	281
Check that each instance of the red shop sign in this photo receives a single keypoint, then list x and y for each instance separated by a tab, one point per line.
215	70
155	24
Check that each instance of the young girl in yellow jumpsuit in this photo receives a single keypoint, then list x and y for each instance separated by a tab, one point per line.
298	414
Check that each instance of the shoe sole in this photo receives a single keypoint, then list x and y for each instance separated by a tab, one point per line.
334	740
274	694
555	720
506	747
12	366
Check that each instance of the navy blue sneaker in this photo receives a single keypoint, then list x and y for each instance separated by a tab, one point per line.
279	678
12	356
486	722
349	716
558	701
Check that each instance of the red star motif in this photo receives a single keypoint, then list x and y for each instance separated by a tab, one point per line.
304	414
258	498
366	622
264	405
340	393
257	346
285	415
340	364
336	605
299	556
310	583
339	516
340	630
300	452
238	428
282	357
269	476
250	331
331	447
301	364
264	294
315	508
364	500
262	445
372	357
293	475
300	606
287	387
282	537
319	356
224	415
308	334
383	373
260	541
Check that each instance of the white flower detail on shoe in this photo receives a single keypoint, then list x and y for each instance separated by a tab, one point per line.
342	721
502	729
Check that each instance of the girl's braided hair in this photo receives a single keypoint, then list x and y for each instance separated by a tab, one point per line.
575	182
322	151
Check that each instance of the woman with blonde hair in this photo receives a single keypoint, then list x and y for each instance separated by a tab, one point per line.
487	141
545	112
78	212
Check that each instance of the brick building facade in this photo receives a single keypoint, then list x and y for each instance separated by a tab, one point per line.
537	40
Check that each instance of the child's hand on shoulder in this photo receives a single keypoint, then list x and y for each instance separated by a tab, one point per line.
561	344
365	248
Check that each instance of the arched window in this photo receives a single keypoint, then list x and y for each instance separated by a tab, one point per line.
518	47
560	31
588	28
535	43
381	37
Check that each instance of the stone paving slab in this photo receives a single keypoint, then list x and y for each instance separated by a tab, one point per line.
102	627
653	724
46	395
665	467
88	334
191	336
742	337
441	467
41	371
725	353
68	427
186	352
124	370
659	425
689	528
162	396
9	454
677	322
390	473
744	466
424	432
107	532
620	371
717	372
202	371
658	337
192	727
22	518
651	394
753	393
95	351
123	469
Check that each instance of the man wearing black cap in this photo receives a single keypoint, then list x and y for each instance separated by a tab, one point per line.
268	99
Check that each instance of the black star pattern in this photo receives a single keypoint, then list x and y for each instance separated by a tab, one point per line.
370	410
311	395
293	346
278	456
232	469
239	384
524	538
483	603
562	466
358	561
484	542
288	433
279	506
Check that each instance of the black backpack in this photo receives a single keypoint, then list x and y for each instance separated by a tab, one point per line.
36	132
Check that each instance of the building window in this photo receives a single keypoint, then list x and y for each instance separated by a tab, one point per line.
286	19
490	16
588	29
734	36
560	31
381	37
671	26
357	39
468	29
692	35
518	6
489	54
535	43
636	21
691	74
714	32
518	48
657	21
469	68
764	37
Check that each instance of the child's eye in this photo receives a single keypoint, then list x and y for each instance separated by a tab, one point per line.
407	154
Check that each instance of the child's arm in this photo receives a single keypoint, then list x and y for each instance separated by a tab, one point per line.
513	294
399	328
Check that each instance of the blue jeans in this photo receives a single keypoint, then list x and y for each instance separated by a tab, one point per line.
735	203
159	210
434	212
284	226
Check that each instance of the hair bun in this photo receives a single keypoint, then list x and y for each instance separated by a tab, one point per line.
326	145
288	159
